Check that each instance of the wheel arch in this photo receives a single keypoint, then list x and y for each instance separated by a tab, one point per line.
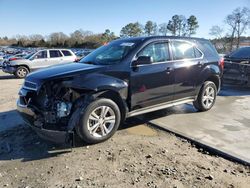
23	65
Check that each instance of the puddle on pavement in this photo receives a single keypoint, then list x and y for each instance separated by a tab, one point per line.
143	130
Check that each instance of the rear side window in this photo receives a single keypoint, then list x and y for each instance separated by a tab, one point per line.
55	53
66	53
184	50
208	49
158	51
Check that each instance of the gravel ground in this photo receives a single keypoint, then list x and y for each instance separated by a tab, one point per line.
137	156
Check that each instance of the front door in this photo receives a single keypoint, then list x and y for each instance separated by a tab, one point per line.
40	60
152	83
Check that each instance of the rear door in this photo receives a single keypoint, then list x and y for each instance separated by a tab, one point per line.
68	56
55	57
188	64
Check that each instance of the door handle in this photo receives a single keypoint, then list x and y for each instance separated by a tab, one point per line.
200	64
169	70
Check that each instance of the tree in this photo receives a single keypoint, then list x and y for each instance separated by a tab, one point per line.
108	36
131	30
238	22
57	39
155	29
149	28
216	31
192	25
177	25
163	29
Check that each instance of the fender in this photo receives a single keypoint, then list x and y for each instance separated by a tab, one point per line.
98	82
208	71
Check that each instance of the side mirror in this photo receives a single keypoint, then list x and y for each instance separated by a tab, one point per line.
143	60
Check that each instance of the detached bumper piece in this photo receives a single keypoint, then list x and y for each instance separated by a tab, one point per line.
9	69
55	136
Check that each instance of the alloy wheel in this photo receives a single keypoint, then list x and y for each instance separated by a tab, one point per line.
21	72
208	97
101	121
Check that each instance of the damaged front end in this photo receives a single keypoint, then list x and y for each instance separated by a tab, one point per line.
48	110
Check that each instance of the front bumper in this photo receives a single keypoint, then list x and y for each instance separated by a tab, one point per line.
9	69
59	137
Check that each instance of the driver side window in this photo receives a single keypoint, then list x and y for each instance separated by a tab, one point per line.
158	51
41	55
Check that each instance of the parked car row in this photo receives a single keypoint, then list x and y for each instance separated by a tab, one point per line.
31	59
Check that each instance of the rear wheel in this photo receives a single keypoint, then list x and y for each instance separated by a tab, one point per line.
100	120
206	97
21	72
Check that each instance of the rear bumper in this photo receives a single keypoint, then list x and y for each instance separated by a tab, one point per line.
55	136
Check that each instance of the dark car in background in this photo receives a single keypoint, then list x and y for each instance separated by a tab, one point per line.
125	78
237	67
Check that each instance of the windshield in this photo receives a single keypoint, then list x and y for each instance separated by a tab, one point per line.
29	55
109	54
241	53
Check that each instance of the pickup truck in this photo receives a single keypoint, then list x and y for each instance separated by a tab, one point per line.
122	79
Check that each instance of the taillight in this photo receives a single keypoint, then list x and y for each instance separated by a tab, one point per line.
222	63
13	58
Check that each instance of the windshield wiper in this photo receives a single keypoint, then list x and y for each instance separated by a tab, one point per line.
88	62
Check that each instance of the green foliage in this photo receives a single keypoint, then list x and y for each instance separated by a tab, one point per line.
131	30
192	25
180	26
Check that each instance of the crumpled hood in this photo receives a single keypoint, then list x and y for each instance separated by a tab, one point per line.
61	71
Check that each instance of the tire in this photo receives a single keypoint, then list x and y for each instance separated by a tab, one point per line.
206	97
92	127
21	72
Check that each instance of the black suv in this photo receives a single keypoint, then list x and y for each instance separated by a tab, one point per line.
124	78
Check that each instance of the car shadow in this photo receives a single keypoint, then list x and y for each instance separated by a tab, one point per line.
234	90
19	142
7	77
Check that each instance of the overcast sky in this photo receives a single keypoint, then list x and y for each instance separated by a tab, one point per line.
47	16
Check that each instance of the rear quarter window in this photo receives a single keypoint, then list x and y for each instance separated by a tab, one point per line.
208	49
66	53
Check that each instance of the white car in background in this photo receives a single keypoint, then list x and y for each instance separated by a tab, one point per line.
20	67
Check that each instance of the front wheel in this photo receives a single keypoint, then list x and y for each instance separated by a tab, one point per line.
21	72
100	120
206	97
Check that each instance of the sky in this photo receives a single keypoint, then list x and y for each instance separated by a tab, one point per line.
26	17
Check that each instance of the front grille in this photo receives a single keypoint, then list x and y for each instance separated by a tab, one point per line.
30	85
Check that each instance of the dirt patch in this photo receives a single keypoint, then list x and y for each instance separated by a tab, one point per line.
126	160
143	130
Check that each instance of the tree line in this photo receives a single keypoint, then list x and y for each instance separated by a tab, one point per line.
178	25
229	35
78	39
